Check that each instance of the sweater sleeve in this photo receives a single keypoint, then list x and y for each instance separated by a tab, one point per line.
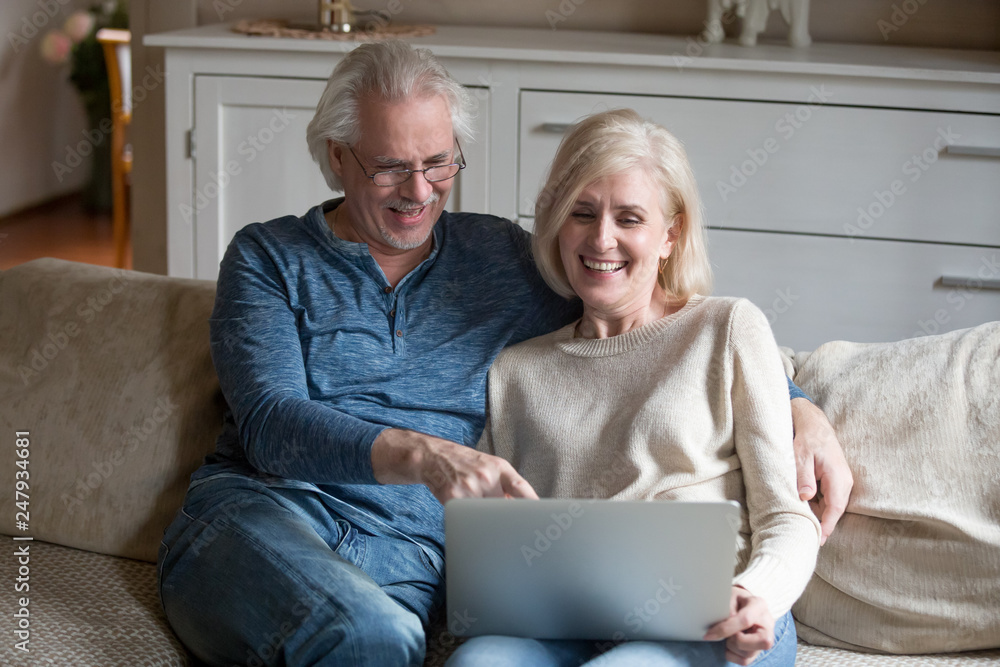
258	358
785	534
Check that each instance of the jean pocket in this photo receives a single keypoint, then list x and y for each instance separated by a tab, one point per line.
345	531
351	545
430	564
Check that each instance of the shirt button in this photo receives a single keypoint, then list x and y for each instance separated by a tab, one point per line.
392	313
387	290
399	333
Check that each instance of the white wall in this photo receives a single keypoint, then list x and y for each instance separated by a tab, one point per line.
40	112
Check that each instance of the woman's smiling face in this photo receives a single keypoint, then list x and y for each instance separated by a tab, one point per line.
612	243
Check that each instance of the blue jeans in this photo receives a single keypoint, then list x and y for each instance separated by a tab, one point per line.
254	574
495	651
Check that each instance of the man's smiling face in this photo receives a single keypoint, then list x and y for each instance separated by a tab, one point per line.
415	133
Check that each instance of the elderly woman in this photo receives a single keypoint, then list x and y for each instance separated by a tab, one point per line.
656	393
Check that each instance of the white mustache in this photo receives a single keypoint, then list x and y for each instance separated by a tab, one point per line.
407	205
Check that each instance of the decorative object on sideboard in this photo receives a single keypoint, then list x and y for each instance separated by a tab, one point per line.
373	31
340	19
754	14
336	16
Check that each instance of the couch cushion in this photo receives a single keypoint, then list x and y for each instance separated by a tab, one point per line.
913	565
89	609
822	656
109	371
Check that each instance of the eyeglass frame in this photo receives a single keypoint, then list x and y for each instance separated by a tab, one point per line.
461	165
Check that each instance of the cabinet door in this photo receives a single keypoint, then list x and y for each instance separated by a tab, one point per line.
815	289
252	163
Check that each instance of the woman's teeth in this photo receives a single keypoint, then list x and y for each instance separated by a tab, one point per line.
604	267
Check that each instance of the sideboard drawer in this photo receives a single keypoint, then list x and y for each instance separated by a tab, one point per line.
846	171
815	289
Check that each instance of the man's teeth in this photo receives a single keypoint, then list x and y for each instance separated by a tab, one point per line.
603	266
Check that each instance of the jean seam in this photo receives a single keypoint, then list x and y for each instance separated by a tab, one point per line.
161	561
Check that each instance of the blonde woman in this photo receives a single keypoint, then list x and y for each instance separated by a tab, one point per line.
656	393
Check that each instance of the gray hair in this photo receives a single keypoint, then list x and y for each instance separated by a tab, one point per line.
391	71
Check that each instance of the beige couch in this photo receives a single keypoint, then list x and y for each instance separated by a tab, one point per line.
109	372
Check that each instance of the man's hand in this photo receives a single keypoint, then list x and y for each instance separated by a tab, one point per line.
449	470
823	476
748	630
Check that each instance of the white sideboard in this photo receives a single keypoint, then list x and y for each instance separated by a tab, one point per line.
852	192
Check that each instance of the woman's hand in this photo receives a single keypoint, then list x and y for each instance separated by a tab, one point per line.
449	470
749	628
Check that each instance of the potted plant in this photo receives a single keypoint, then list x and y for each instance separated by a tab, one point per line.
76	43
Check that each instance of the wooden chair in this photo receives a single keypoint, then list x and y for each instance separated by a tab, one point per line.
118	56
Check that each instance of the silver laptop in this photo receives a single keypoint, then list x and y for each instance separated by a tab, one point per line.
589	569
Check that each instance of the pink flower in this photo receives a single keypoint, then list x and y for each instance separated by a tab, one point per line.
78	25
56	46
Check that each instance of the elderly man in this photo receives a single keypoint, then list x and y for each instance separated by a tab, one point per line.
352	346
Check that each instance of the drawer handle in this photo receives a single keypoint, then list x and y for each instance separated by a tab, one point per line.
980	151
971	283
556	128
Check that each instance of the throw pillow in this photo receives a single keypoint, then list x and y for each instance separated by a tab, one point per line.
914	565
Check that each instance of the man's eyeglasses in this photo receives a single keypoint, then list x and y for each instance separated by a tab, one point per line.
435	174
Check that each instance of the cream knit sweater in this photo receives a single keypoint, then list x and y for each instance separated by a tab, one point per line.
693	406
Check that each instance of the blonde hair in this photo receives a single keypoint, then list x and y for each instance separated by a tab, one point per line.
610	143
